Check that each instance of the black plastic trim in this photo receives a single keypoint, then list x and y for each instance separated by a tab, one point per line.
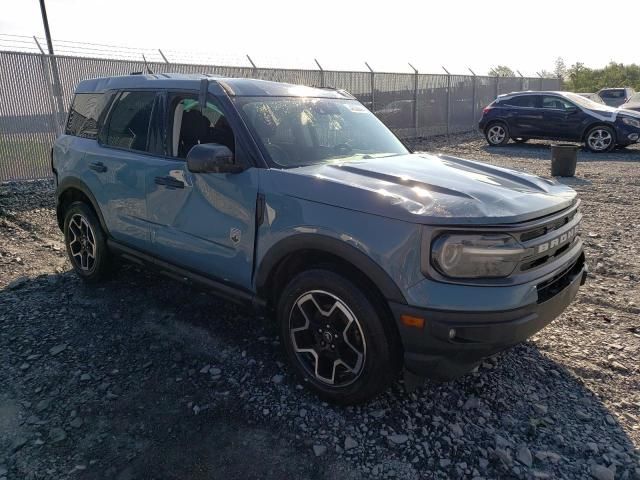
228	291
348	253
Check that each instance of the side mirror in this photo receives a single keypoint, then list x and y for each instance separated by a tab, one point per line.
211	158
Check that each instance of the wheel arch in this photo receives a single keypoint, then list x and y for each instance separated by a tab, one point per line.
70	190
302	251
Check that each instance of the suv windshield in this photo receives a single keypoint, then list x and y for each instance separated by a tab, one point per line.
298	131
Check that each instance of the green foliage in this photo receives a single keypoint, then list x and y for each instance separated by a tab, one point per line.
501	71
583	79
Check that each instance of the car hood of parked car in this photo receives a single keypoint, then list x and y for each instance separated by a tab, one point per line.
634	106
428	189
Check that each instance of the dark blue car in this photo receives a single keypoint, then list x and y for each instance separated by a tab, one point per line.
558	116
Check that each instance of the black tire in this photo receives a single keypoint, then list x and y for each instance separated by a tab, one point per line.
600	139
520	140
84	237
371	333
497	134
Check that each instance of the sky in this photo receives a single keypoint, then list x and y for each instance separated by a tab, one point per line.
342	34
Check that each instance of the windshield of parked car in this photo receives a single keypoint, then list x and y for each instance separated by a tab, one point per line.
299	131
583	101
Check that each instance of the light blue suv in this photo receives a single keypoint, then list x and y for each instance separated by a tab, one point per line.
299	202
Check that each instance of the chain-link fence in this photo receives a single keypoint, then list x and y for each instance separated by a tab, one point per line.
36	90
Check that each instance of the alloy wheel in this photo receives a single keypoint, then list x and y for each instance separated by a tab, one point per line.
496	134
82	243
600	139
327	338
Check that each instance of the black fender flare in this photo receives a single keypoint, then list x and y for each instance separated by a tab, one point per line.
333	246
77	184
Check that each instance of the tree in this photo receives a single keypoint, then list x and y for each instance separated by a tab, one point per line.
501	71
560	69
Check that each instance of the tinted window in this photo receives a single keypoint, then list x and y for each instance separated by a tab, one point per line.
85	113
521	101
556	103
129	120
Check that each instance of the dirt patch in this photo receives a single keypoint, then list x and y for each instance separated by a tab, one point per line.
142	377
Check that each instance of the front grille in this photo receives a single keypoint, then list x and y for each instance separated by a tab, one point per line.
551	287
549	238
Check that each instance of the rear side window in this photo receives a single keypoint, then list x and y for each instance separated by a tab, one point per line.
85	114
528	101
130	120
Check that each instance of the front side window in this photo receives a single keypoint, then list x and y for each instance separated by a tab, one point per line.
556	103
190	126
130	120
298	131
84	115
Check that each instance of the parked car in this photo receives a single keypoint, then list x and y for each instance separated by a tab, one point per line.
614	97
558	116
633	103
300	203
592	96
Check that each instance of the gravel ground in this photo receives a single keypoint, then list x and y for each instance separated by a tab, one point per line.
144	378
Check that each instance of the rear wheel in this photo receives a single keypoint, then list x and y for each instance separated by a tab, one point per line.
600	139
497	134
85	242
335	337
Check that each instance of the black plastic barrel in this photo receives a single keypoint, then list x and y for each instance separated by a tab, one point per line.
564	157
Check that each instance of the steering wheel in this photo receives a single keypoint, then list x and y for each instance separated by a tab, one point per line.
343	149
278	154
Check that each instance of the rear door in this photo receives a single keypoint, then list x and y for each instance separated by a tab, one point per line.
117	163
522	115
204	222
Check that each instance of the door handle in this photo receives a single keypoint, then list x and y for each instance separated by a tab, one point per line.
98	167
169	182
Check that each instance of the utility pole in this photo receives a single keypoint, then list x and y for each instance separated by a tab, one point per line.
45	21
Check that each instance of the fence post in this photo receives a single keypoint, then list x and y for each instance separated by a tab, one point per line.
415	99
448	101
373	87
540	82
521	80
321	72
253	65
54	118
163	57
497	86
474	100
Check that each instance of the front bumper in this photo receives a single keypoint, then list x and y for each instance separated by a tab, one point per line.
451	343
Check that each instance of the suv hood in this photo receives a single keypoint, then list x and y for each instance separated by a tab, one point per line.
429	189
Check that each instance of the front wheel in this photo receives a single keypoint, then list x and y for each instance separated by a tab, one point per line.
497	134
336	338
600	139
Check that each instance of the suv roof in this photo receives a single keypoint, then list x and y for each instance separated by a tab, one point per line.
233	86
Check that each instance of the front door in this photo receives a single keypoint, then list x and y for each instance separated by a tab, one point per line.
560	118
204	222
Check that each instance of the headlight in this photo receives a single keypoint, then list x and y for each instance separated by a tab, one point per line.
631	121
476	256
